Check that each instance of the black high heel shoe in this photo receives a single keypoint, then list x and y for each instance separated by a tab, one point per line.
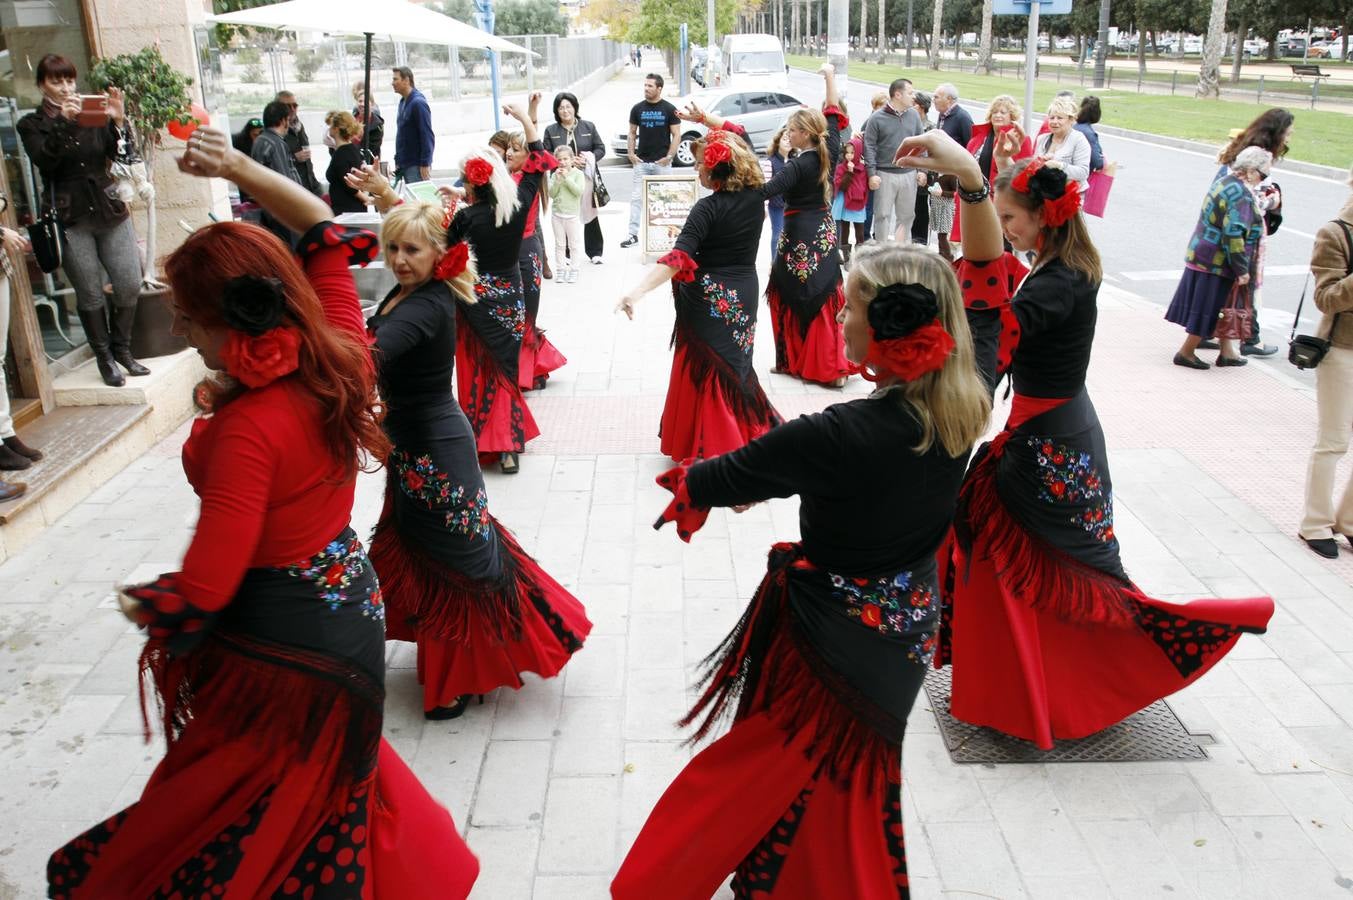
454	711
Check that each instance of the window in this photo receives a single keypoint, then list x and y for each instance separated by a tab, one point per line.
730	106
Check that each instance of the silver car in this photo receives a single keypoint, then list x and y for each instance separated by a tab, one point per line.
762	113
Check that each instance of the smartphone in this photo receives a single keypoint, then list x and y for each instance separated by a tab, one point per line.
93	111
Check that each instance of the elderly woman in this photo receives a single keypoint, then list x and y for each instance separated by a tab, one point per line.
1221	256
1002	113
1332	266
585	139
1063	147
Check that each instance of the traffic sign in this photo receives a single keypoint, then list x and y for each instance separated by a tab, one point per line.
1021	7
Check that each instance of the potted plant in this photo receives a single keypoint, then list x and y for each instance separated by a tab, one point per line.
155	94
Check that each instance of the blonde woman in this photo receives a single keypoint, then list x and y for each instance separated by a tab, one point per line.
714	402
347	155
802	796
455	581
1063	146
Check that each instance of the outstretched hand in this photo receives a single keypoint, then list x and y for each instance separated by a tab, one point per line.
692	112
206	154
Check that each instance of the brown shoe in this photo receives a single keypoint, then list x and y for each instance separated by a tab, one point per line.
22	449
11	490
11	461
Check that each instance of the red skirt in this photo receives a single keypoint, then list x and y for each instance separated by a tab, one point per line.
709	410
816	355
491	398
475	635
538	359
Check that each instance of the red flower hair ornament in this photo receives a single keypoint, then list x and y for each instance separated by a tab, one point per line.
453	261
478	171
1060	198
260	347
909	340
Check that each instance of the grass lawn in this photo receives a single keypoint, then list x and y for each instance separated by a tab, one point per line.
1319	137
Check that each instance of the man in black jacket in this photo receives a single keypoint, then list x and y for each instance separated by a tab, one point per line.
954	119
298	143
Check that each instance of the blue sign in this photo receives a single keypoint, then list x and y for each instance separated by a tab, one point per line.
1021	7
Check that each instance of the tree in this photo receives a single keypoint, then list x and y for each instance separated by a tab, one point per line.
864	28
616	16
460	10
530	17
984	46
1208	75
935	28
659	23
883	32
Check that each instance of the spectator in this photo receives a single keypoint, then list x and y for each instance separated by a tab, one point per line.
14	453
851	195
373	132
298	143
584	138
101	242
894	187
1063	146
347	155
414	140
954	120
1045	127
243	141
875	103
271	151
1332	268
566	189
655	131
920	223
1002	114
1086	119
778	153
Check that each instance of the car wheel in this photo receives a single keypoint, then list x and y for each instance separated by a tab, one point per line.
685	154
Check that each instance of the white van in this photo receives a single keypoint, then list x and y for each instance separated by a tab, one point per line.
752	61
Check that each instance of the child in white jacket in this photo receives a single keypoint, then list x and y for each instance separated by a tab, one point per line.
566	189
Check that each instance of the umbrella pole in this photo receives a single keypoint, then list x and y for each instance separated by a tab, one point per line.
497	91
366	102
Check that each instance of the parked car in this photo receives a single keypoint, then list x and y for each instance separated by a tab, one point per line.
1321	50
760	112
1066	43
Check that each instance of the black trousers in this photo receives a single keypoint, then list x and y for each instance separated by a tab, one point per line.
920	226
593	242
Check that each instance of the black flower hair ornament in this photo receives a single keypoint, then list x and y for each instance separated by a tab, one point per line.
254	305
1048	186
899	309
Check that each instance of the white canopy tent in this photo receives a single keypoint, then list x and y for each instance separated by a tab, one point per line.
396	19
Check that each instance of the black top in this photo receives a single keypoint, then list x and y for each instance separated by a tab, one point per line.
373	133
297	140
654	121
868	504
415	352
1056	311
341	197
74	161
497	249
958	125
723	229
586	138
798	180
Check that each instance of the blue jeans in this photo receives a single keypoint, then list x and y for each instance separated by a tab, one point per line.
637	190
777	224
410	174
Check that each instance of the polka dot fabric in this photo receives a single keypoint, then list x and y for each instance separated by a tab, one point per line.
991	284
333	866
357	244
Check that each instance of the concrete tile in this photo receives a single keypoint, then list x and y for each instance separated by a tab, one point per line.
1285	695
507	861
1090	791
650	766
1268	746
530	713
943	791
588	738
580	825
657	588
1277	838
1131	858
655	641
1232	787
972	858
512	784
598	669
1303	651
655	699
1322	812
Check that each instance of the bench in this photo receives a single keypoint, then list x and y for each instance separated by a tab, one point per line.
1301	70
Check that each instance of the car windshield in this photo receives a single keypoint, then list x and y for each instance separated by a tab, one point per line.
762	61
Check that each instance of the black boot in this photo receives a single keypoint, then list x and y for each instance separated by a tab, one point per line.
95	324
122	318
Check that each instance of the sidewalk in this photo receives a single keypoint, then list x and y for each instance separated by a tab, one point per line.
551	783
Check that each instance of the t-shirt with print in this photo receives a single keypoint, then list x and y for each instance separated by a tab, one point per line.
654	121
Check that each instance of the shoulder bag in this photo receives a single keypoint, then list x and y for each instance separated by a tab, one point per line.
48	237
1305	351
600	196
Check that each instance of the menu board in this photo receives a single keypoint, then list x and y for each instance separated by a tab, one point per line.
667	202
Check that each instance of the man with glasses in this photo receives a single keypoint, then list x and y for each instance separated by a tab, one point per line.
414	140
298	143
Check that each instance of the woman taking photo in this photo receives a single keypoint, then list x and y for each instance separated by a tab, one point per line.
1049	638
266	650
74	158
802	797
714	401
586	141
1220	260
455	581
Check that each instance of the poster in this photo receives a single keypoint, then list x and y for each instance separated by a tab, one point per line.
667	201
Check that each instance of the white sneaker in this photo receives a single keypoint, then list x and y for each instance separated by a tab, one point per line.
596	260
572	275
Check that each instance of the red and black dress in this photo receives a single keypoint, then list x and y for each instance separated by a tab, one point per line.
266	653
1048	637
455	581
714	401
538	357
988	287
805	292
488	352
802	797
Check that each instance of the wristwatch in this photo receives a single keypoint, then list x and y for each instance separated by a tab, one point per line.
976	196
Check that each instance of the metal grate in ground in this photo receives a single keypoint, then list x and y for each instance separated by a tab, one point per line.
1155	733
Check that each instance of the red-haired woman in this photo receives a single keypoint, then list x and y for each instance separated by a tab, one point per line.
267	650
714	401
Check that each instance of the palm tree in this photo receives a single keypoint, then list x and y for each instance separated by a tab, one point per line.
984	47
934	61
864	29
883	33
1209	74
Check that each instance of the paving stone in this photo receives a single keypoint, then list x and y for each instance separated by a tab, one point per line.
580	825
655	699
588	738
1271	838
656	641
572	887
1285	695
507	861
512	784
972	858
598	669
1132	859
531	712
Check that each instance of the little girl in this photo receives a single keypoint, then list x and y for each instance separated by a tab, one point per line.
852	195
566	190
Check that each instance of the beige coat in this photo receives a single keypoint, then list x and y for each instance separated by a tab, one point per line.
1333	284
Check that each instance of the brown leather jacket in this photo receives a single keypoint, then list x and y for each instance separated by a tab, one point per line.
1333	284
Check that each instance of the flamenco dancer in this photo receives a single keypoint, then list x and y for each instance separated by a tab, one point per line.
805	278
1049	638
714	401
267	650
539	357
802	797
455	581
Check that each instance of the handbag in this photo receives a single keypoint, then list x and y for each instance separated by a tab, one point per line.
1235	320
600	196
1097	191
1305	351
48	237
